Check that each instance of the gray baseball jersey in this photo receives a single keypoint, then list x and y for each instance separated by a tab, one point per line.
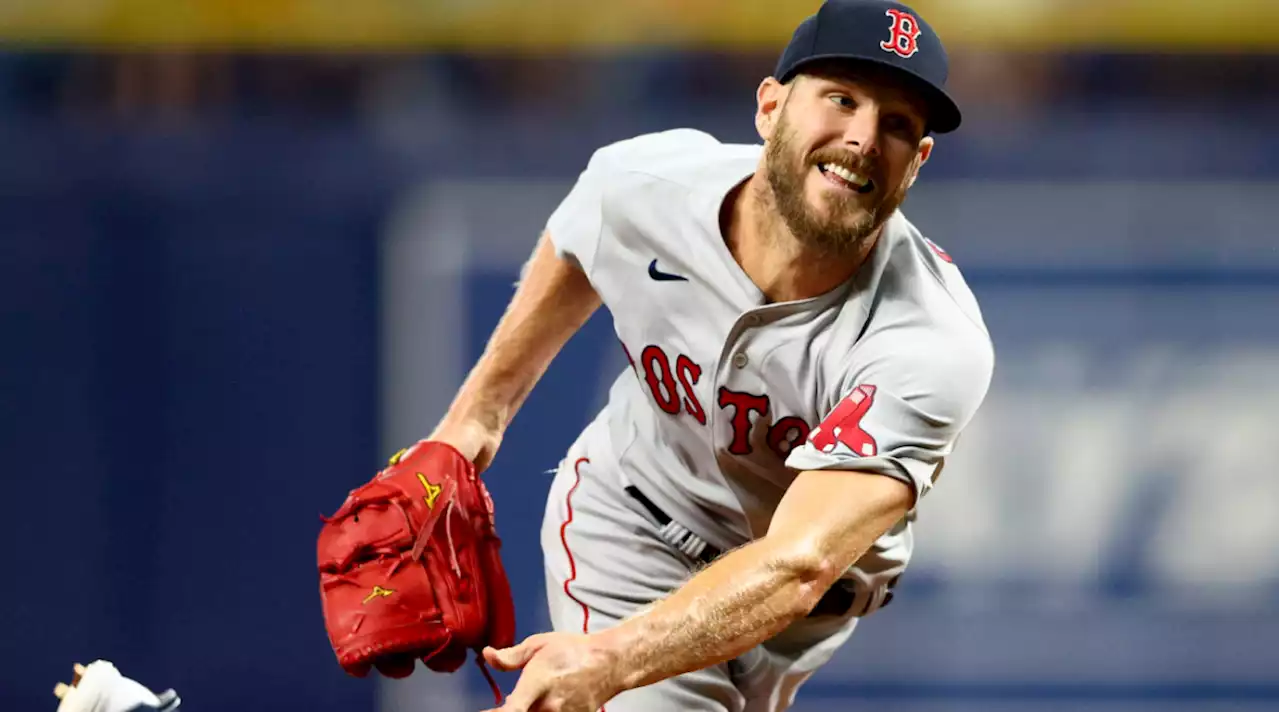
730	397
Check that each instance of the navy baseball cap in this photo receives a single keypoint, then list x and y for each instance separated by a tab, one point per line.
880	32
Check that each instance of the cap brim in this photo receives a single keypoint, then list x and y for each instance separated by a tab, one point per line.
944	113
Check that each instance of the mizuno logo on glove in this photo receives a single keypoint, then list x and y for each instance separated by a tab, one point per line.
433	491
377	591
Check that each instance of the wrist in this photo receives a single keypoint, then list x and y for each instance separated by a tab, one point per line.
475	440
611	648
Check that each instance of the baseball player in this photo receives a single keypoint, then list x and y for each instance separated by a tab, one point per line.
802	361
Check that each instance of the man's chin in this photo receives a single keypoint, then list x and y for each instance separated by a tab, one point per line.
848	221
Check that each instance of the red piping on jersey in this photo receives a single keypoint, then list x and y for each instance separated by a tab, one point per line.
573	569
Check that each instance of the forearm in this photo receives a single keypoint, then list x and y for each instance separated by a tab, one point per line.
753	593
744	598
553	300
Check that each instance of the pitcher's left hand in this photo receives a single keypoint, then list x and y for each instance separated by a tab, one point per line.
562	672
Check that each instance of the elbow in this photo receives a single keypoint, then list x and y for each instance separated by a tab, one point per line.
809	574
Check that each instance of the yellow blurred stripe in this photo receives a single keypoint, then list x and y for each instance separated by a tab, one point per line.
529	25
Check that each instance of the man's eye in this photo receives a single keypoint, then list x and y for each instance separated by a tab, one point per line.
899	124
843	101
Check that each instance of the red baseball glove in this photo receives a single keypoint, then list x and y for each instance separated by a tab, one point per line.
410	570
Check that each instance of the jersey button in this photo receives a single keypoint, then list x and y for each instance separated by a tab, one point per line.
740	360
753	320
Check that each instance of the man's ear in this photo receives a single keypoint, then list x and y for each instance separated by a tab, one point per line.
770	97
922	157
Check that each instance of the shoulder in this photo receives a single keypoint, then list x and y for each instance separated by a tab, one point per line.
686	157
945	277
919	285
929	361
926	334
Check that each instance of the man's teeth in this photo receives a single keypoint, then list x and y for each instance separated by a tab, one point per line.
857	180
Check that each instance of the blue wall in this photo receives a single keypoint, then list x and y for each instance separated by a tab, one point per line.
189	379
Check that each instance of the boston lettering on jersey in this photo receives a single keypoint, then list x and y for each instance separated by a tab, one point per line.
842	425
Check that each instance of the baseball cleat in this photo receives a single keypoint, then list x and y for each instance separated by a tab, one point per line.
99	687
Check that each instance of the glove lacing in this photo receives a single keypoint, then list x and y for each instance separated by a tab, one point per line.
448	533
488	677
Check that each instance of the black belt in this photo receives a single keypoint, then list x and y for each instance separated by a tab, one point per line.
835	602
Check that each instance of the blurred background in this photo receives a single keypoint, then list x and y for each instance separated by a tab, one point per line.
248	250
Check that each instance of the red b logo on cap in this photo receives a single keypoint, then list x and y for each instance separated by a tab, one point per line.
902	34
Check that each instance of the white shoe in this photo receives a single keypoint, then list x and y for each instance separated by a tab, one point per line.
100	687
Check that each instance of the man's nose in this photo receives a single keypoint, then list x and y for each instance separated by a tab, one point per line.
862	132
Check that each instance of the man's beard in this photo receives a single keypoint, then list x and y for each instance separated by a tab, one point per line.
847	226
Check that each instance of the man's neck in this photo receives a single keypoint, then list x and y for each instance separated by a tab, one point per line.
783	268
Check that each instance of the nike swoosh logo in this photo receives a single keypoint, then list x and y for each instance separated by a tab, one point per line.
661	276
